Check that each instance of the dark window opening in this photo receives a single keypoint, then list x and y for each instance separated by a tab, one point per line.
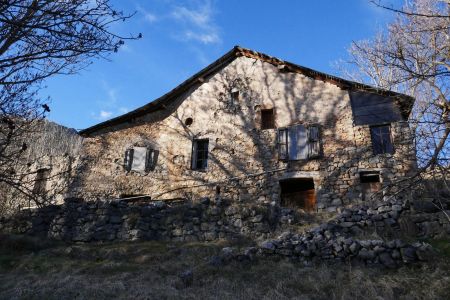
367	177
267	119
200	154
381	139
188	121
370	184
234	96
298	193
40	182
217	190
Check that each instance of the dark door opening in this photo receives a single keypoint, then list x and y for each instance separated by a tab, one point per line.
298	193
370	184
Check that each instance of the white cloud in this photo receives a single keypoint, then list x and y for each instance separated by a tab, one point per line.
148	16
110	106
205	38
198	22
103	115
200	17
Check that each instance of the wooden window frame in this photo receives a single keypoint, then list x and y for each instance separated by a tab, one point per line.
267	113
313	143
151	157
195	155
378	137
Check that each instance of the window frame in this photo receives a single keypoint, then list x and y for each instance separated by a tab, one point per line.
151	156
380	136
194	155
271	125
310	142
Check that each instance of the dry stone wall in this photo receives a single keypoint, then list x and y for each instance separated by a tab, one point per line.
345	238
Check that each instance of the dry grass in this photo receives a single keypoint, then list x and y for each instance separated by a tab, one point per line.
150	270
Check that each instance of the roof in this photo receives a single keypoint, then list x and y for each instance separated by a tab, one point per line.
404	101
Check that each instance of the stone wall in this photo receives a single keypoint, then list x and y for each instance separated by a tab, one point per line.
373	235
352	237
51	148
79	221
243	158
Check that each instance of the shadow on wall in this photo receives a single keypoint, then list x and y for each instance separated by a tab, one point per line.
229	117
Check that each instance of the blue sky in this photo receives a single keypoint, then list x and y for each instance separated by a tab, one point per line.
181	37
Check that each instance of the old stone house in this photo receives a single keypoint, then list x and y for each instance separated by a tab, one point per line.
42	173
251	127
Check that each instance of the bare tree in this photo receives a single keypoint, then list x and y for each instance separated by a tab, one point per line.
412	56
39	39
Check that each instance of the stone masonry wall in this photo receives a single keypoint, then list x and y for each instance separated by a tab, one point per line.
243	161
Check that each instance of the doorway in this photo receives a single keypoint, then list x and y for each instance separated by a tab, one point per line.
298	193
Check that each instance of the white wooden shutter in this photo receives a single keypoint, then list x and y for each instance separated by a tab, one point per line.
139	159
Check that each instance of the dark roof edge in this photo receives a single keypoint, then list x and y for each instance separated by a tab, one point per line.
235	52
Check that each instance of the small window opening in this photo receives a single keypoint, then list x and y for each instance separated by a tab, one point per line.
234	95
188	121
267	119
298	193
370	184
381	139
40	182
217	190
200	154
367	177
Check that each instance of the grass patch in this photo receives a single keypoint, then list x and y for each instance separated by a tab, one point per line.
150	270
442	245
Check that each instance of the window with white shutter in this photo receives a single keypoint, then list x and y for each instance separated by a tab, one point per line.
298	142
140	159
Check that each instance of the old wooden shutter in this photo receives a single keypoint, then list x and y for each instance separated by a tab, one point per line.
314	141
282	144
298	142
128	159
139	159
370	108
151	159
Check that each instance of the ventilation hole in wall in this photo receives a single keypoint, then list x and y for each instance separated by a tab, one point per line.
188	121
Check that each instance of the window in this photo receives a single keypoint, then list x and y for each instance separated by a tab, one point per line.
299	142
370	184
40	182
200	154
381	139
140	159
267	119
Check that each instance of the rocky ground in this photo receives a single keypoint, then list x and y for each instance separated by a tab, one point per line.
32	268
